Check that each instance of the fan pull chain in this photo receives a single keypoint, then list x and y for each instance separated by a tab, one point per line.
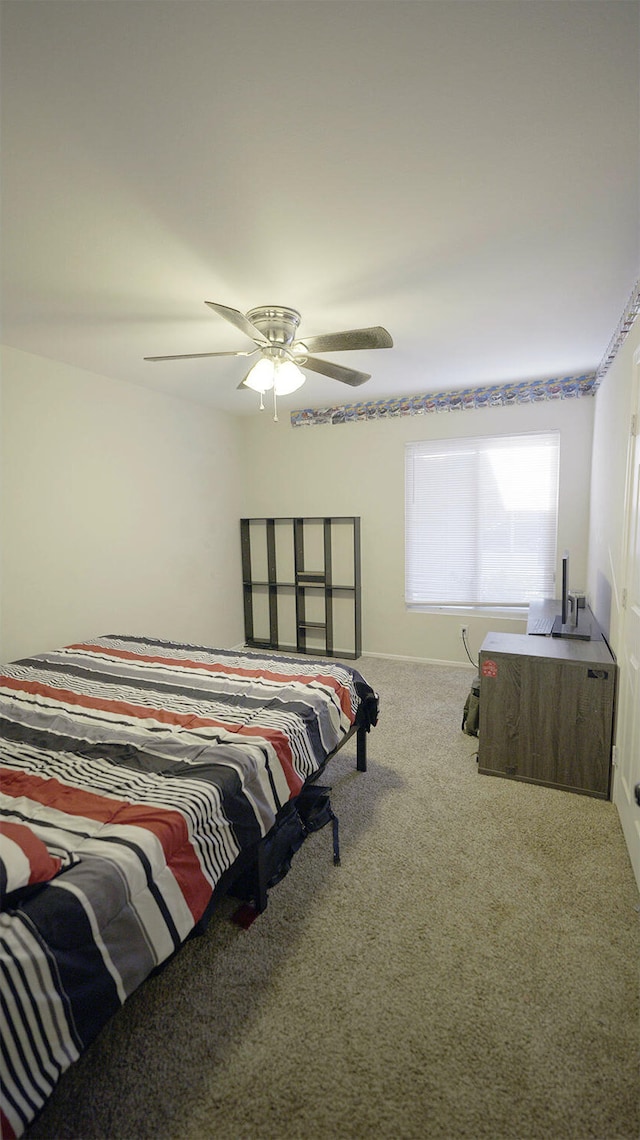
275	406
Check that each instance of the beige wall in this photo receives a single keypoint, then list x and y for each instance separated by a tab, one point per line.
120	512
120	508
613	410
359	469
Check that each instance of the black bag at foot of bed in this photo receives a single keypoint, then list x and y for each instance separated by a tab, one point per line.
308	812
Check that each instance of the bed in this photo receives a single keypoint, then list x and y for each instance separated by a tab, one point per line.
138	777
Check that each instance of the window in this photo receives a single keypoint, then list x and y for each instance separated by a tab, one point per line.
481	520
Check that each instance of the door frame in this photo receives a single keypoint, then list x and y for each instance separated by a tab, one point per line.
627	767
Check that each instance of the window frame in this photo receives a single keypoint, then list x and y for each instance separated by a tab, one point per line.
480	448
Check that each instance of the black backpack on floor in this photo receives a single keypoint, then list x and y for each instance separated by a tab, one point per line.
471	713
309	811
315	811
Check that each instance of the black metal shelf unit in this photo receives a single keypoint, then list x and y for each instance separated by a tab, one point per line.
301	584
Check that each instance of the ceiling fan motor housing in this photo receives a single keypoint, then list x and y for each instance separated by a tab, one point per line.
276	322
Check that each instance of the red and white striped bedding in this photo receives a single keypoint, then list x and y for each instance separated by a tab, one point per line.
144	768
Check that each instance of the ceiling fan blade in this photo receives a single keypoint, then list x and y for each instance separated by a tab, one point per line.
198	355
375	337
235	317
335	371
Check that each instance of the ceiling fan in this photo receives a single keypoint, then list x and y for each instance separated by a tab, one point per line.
273	328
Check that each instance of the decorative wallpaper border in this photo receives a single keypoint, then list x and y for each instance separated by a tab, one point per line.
494	395
567	388
624	327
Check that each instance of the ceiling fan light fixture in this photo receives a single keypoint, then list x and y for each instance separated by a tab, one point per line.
261	376
288	378
282	375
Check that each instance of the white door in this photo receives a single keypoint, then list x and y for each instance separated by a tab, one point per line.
627	772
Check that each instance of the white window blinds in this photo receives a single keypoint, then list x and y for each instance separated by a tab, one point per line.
481	520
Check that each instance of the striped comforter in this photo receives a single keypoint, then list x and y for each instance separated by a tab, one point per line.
145	767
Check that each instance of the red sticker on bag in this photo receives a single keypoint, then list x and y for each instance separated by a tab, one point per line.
489	668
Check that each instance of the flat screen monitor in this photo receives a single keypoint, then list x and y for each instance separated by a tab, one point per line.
565	587
572	620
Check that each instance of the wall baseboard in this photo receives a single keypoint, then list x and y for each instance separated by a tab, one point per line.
421	660
383	656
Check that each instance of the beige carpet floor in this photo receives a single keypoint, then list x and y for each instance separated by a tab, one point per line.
471	970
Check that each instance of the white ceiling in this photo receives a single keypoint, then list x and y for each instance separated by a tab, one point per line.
463	173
